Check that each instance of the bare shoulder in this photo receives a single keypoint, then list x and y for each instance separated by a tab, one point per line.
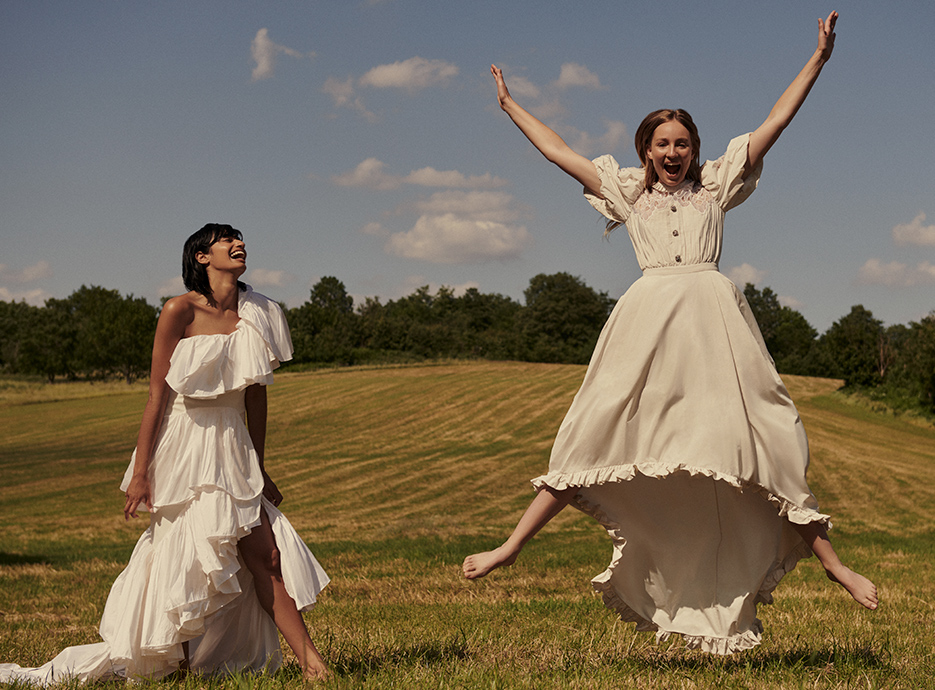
178	312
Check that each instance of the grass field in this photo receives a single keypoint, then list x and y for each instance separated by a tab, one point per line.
393	475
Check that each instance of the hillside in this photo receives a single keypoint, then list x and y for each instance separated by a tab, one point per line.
394	474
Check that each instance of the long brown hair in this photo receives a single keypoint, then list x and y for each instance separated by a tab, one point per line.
644	138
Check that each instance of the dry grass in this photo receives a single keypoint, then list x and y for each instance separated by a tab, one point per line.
393	475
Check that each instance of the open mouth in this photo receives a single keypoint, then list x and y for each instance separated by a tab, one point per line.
239	254
672	169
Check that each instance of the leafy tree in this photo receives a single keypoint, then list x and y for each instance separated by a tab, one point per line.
911	369
16	319
49	344
853	347
324	329
113	334
562	318
491	325
789	338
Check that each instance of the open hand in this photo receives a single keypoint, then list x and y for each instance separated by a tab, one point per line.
503	95
826	35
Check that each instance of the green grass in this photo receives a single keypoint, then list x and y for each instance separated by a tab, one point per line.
393	475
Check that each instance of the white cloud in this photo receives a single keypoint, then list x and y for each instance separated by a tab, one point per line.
586	145
370	173
915	233
550	110
573	74
172	287
39	270
791	302
449	239
430	177
264	52
344	96
745	273
521	87
262	277
36	297
498	207
413	74
896	274
374	229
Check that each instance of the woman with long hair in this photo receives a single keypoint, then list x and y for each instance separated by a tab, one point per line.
682	441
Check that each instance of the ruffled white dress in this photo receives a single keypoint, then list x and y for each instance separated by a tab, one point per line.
185	580
682	439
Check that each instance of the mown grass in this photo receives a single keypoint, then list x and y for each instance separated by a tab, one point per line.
394	475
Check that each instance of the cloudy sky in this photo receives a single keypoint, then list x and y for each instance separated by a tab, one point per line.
361	139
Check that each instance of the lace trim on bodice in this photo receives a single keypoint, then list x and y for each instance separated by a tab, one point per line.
688	193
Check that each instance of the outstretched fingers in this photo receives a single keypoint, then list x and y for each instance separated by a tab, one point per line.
502	92
826	34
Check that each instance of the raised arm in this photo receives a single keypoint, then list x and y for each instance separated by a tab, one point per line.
550	144
792	98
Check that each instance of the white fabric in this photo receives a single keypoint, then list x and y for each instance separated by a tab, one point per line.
185	580
682	438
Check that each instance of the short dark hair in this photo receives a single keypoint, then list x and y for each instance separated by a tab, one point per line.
644	137
194	274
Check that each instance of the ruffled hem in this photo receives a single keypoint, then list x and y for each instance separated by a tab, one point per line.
603	583
800	515
191	584
713	645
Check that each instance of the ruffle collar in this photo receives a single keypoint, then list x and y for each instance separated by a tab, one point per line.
207	366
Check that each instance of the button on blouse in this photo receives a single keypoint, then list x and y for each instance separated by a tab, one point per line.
675	226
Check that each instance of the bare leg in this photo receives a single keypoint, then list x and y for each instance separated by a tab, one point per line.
546	505
261	557
816	536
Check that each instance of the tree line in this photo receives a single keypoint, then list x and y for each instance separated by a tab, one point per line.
97	333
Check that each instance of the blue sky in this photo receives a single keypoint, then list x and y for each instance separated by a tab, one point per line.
362	140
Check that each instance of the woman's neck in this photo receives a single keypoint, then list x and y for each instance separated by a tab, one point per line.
224	291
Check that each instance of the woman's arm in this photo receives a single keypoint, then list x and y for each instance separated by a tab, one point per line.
792	98
175	316
256	406
550	144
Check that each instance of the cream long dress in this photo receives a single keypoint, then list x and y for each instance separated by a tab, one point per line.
682	439
185	580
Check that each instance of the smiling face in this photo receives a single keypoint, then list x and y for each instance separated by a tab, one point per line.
215	247
670	152
662	128
226	254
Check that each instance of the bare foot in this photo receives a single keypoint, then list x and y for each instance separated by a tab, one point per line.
859	587
479	564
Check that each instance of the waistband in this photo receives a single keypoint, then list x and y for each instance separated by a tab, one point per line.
231	399
673	270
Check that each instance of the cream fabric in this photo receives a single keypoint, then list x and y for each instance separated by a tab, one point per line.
185	580
682	438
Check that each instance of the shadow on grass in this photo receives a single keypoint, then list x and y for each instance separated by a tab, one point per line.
355	661
863	656
22	559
